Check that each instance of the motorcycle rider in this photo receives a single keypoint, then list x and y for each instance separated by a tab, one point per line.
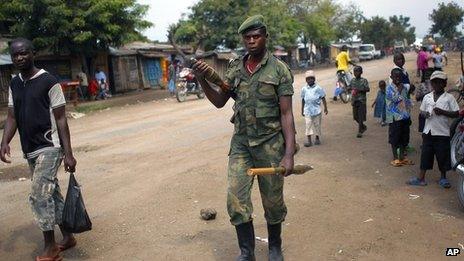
342	62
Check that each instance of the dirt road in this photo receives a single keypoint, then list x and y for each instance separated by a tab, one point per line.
146	171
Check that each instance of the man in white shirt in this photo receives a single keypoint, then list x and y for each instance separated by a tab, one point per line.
437	107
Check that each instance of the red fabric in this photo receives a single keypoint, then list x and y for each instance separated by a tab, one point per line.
93	87
251	66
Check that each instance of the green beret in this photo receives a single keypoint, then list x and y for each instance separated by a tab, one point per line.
251	23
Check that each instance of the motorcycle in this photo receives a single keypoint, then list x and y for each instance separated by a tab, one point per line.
188	85
457	154
457	140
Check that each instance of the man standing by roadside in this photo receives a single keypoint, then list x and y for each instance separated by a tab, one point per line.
172	78
37	110
100	76
423	62
264	134
83	84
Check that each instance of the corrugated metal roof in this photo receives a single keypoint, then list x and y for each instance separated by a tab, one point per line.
121	52
153	54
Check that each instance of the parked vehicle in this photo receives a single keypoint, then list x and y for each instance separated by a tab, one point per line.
368	52
303	64
457	155
188	85
399	46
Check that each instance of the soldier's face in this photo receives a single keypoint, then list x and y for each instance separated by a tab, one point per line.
254	41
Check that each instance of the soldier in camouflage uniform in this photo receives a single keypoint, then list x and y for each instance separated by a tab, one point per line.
36	108
264	135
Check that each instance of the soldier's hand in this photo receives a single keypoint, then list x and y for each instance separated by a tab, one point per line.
4	151
70	163
288	163
200	68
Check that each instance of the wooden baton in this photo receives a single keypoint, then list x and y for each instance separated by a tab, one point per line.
297	170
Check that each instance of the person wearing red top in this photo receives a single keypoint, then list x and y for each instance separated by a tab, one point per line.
422	62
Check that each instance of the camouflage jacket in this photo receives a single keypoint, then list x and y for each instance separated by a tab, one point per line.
256	108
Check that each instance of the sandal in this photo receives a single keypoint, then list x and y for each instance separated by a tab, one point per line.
414	181
444	183
406	161
48	258
64	248
396	163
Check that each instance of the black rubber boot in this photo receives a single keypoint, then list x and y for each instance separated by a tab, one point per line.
246	241
275	242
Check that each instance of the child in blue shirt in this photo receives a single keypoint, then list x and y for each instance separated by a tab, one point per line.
379	105
311	97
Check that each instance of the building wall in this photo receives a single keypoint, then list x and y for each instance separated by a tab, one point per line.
219	65
125	73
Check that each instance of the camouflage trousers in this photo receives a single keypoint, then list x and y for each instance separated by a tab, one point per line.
45	198
241	158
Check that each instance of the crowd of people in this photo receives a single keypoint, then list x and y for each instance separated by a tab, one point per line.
392	107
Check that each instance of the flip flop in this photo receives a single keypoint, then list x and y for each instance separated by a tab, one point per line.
406	161
47	258
414	181
444	183
396	163
63	248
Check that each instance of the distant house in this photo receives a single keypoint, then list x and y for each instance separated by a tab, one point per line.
6	73
124	70
353	50
6	65
219	60
152	60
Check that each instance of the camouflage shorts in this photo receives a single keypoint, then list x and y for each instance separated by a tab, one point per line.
45	198
241	158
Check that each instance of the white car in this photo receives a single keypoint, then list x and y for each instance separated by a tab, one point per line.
368	52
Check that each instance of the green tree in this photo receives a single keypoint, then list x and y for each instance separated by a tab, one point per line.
445	20
283	28
401	29
383	33
80	27
376	30
214	23
349	21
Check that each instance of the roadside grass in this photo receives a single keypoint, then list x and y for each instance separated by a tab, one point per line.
91	107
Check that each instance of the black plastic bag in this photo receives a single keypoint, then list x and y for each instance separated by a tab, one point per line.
75	217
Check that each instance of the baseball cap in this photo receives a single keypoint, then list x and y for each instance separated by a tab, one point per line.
438	75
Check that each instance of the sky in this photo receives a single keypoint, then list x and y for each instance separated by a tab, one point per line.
162	13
